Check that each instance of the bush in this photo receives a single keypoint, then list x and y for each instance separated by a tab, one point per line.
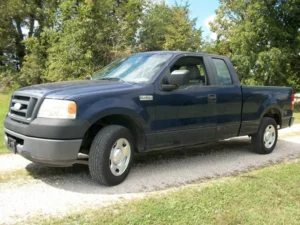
297	107
8	81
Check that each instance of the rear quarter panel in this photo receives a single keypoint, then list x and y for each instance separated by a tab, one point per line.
257	101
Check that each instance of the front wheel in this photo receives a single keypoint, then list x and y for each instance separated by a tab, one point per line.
264	141
111	155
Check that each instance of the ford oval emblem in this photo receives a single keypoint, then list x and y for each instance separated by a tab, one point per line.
17	106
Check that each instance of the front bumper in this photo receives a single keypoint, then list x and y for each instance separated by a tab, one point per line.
44	151
49	128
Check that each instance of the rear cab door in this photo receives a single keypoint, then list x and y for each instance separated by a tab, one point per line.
229	97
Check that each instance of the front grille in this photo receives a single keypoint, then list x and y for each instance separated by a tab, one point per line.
22	108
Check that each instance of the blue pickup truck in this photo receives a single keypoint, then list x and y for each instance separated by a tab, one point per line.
143	102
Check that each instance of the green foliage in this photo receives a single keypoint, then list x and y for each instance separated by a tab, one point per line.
169	28
262	38
34	65
71	39
297	108
8	80
15	17
90	35
152	33
181	33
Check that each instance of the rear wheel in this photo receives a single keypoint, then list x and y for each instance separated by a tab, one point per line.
110	155
265	140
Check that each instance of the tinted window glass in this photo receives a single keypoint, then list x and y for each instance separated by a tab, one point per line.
222	72
196	70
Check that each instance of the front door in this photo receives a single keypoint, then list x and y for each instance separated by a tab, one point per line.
186	115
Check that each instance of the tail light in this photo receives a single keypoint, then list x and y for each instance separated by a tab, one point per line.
293	102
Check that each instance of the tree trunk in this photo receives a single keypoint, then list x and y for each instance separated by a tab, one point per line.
20	47
267	82
31	26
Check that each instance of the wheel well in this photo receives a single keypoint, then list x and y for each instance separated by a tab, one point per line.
275	114
122	120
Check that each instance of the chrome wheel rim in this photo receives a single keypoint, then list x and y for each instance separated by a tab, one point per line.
119	157
269	136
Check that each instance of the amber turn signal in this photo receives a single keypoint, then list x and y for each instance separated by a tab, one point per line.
72	108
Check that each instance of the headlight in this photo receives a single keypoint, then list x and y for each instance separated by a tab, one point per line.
59	109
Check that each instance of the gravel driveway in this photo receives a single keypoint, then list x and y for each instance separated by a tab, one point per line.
69	189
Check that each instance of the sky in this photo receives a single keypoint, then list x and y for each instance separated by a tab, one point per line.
204	10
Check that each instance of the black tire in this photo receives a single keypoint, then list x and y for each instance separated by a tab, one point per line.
258	144
99	156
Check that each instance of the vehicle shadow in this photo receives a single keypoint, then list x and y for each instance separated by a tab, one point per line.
163	169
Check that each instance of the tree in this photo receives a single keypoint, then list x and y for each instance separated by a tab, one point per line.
262	38
46	40
152	33
89	34
21	21
181	33
34	65
169	28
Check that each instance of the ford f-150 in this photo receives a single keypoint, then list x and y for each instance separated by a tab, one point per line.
143	102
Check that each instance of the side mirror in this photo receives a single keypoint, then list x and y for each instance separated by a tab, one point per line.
179	77
176	78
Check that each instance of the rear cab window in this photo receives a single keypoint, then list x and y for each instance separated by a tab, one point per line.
222	71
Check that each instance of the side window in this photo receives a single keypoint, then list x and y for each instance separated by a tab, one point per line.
222	72
194	65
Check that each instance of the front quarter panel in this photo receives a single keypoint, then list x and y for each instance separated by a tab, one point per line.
94	106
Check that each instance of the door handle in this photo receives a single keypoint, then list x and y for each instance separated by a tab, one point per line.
212	98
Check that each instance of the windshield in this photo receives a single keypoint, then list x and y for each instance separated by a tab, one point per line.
135	68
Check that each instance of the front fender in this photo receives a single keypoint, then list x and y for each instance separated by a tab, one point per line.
137	116
140	112
119	111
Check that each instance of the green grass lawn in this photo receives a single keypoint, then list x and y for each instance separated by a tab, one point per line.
297	117
4	100
266	196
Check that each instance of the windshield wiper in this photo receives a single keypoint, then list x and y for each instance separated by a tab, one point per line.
112	78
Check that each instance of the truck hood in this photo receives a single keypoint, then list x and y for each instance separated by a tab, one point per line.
64	89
